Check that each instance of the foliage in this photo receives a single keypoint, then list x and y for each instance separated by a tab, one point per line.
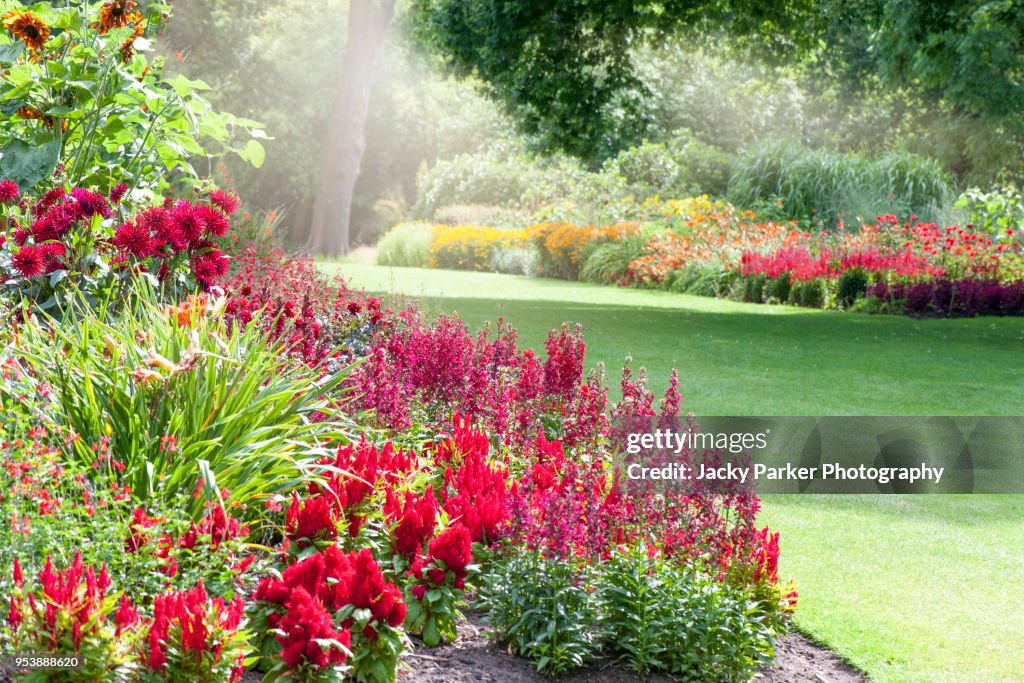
567	73
543	609
171	400
945	298
961	52
829	187
75	243
82	103
998	212
682	168
515	260
660	617
609	263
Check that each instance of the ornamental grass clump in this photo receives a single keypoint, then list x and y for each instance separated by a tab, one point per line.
179	400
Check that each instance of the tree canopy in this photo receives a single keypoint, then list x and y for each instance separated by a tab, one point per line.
565	69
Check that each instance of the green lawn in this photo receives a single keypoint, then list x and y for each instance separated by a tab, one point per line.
745	359
908	588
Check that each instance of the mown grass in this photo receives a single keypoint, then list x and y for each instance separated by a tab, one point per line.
907	588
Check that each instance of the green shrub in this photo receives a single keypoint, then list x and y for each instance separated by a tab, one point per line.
852	285
609	262
663	618
498	176
176	400
701	279
778	289
407	245
542	609
749	288
809	294
997	212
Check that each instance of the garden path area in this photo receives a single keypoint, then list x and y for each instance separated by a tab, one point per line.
907	588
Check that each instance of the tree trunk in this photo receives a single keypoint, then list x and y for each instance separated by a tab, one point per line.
368	22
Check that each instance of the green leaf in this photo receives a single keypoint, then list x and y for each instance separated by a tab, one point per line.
10	53
28	164
253	153
185	86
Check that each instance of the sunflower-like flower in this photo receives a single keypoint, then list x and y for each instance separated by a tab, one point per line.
28	27
117	14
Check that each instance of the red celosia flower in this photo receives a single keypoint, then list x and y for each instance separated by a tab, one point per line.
310	520
305	623
29	261
9	191
126	616
416	524
14	616
453	547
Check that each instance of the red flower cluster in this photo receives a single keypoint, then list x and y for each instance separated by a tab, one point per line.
310	520
445	563
354	473
156	238
311	590
476	493
317	319
421	372
73	598
416	517
188	625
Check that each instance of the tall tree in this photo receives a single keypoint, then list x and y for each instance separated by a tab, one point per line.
564	68
368	22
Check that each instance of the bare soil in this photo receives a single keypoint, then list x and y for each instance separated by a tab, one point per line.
473	658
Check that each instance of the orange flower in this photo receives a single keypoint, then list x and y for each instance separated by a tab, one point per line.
191	310
28	27
117	14
34	114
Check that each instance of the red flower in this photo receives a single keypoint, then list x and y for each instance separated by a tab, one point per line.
14	616
305	623
228	203
29	261
134	239
126	616
117	194
216	222
91	203
416	524
310	520
187	221
9	191
453	547
210	266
